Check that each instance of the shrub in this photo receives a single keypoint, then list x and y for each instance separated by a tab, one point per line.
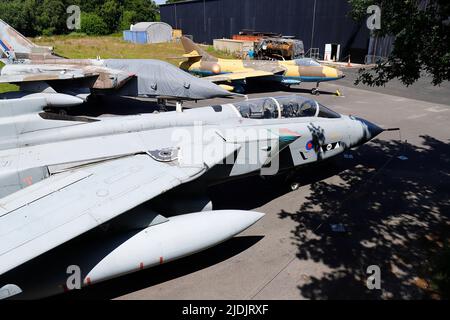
48	32
92	24
128	18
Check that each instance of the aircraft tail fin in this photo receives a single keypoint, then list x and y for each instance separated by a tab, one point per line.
13	45
194	51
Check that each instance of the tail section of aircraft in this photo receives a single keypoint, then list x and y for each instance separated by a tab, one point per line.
194	51
13	45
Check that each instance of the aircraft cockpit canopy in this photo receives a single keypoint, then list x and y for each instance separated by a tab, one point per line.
307	62
283	107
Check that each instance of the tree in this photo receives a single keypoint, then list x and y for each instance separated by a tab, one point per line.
92	24
128	18
51	17
36	17
422	40
111	13
20	14
146	10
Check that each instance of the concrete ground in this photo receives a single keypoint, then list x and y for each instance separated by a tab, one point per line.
391	198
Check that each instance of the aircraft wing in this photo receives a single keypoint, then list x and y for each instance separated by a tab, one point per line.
70	83
43	216
156	78
45	76
240	75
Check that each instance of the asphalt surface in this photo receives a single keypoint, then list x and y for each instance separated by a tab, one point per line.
423	89
389	198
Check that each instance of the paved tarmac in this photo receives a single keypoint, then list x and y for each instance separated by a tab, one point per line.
423	89
390	198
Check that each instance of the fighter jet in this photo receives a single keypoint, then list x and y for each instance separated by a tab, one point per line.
238	72
79	196
37	69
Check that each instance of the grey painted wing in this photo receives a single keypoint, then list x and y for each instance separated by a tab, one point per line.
55	210
45	76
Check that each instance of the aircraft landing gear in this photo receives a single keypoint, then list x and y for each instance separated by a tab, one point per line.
315	91
162	105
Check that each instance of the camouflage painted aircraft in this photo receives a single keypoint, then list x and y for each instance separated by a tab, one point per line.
223	71
38	70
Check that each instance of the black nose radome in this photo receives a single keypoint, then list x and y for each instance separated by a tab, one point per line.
372	130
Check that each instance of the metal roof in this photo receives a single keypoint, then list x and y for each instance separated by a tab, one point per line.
144	26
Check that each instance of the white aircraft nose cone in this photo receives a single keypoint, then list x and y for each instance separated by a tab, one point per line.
371	130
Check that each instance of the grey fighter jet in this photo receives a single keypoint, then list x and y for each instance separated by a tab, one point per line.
38	70
63	179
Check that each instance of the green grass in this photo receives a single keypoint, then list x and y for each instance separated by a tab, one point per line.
80	46
6	87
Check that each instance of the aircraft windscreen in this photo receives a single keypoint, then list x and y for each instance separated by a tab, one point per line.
307	62
324	112
283	107
265	108
297	107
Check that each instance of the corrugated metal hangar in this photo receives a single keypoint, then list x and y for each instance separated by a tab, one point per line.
316	22
149	32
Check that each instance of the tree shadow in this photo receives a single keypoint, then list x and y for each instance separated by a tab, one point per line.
395	211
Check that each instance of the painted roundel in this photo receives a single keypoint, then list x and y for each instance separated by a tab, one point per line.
309	145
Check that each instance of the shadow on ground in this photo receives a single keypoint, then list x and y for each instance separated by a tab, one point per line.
395	214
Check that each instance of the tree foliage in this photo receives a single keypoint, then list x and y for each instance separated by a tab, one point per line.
422	40
47	17
92	24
